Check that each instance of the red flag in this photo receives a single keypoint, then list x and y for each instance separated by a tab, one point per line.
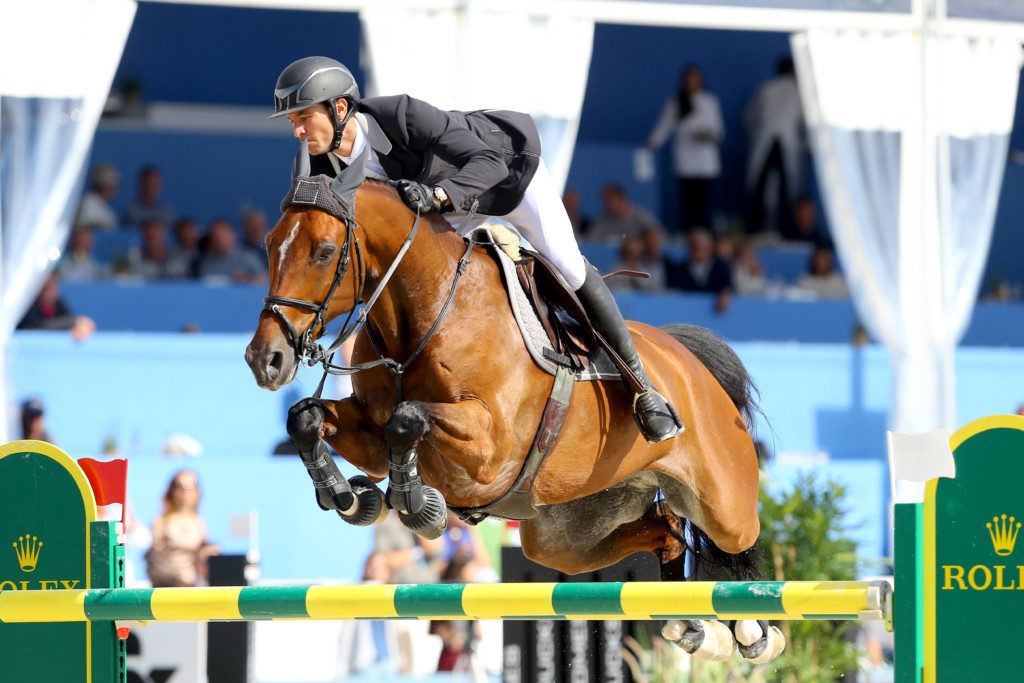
109	480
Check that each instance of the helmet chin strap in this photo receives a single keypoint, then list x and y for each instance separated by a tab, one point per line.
339	126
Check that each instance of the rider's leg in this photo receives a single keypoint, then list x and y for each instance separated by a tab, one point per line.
542	220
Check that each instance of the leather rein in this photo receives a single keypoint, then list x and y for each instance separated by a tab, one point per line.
309	353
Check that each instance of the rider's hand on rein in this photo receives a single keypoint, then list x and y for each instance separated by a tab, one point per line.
417	196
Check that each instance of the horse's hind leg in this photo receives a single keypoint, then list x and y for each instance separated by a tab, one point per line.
357	500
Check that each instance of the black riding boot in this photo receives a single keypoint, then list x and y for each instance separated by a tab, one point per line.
656	418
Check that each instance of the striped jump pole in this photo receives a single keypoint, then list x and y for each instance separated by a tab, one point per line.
865	600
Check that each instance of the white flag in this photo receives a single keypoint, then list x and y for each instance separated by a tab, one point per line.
921	457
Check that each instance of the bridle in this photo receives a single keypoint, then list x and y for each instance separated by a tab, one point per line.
309	353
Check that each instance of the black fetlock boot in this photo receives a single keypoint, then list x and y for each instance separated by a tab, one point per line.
654	415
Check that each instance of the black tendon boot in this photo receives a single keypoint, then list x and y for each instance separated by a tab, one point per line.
655	416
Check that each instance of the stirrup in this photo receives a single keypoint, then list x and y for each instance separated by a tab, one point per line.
679	428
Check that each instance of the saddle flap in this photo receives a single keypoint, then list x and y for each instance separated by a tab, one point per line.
567	317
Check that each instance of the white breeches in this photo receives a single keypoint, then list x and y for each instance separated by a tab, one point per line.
542	220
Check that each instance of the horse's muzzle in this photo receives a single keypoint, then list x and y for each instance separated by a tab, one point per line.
272	362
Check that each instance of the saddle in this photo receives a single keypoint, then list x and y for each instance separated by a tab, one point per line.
562	342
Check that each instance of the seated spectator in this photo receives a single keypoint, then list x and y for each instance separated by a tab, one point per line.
180	548
621	217
365	646
724	247
185	253
153	259
573	207
148	205
822	278
78	264
631	258
254	232
222	257
33	421
49	312
95	211
806	227
702	271
653	258
747	272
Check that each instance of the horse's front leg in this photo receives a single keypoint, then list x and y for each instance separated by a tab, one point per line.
343	423
420	507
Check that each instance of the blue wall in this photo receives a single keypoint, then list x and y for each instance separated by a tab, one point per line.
826	403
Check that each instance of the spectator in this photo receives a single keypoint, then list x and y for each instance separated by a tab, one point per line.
621	217
223	259
153	259
631	254
33	421
775	124
1020	409
49	312
148	205
412	559
78	264
185	254
702	271
574	208
365	647
458	638
806	227
653	259
694	116
254	233
822	278
748	276
724	247
95	211
180	550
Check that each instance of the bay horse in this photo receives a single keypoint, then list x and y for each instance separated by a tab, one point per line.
473	397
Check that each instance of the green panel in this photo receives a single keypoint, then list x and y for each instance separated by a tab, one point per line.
975	639
427	600
109	653
273	602
125	603
587	598
908	606
762	597
42	502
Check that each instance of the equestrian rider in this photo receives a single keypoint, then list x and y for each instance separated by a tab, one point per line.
445	161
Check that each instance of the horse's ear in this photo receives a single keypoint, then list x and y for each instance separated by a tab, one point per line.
351	177
300	166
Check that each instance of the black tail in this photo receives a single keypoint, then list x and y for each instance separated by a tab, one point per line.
724	365
706	560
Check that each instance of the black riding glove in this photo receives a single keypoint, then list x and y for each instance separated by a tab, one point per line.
417	196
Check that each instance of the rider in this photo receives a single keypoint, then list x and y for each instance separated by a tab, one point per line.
454	159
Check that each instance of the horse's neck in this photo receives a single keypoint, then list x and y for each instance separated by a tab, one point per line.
415	294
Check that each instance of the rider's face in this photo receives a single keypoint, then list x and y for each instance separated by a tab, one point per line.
313	125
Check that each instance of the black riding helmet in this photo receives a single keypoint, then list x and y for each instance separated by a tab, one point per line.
312	80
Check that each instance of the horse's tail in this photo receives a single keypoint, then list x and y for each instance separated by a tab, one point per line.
724	365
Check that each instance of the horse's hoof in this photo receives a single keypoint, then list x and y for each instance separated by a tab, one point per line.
370	508
708	640
432	519
757	644
305	423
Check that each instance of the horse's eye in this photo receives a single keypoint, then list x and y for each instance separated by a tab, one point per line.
326	252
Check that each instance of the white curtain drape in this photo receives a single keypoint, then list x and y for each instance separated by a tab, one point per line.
458	59
909	136
52	89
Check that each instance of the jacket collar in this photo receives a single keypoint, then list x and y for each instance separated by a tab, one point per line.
374	134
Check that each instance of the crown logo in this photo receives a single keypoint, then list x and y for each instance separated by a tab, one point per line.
27	549
1004	534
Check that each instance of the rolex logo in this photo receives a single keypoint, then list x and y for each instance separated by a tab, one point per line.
1004	534
27	549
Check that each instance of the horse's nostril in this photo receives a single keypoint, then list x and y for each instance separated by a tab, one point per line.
274	364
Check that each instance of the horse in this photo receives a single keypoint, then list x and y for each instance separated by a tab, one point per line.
470	402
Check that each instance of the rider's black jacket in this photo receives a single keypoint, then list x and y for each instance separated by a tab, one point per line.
489	155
